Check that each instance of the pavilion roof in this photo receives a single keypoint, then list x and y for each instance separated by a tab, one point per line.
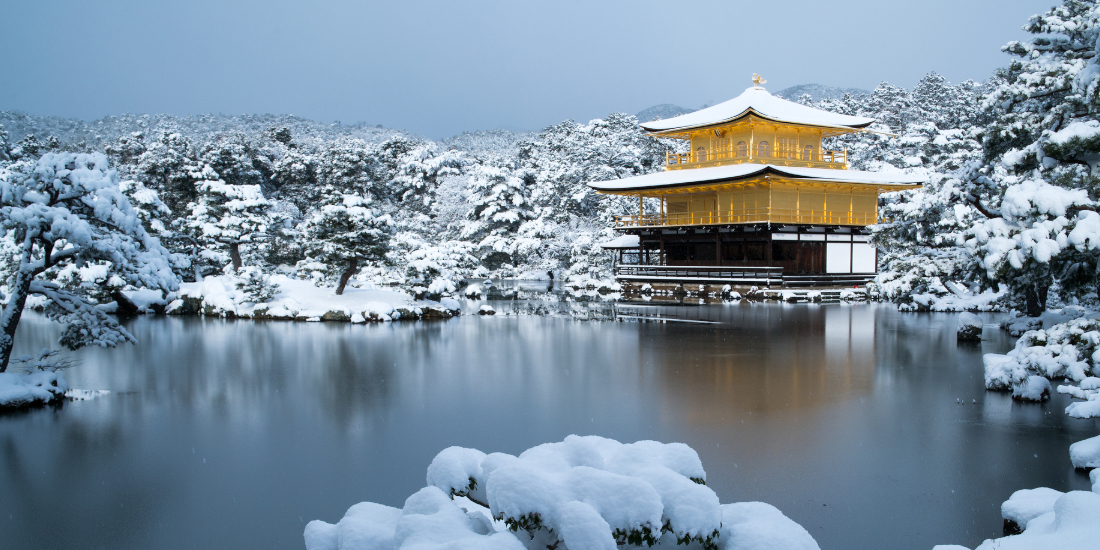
716	174
759	101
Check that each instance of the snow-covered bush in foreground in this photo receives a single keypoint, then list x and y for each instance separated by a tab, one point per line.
582	493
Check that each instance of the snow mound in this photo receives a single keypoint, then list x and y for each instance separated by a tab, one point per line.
760	526
1032	388
35	387
1074	523
1094	477
1027	504
582	493
1086	453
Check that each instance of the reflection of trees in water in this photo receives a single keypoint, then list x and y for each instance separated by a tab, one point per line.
51	452
763	359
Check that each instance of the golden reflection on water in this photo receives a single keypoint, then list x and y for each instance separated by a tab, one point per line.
759	360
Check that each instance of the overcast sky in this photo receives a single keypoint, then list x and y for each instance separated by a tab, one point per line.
438	68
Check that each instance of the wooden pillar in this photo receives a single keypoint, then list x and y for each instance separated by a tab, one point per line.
718	247
661	251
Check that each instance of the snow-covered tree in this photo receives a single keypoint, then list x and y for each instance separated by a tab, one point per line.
66	209
499	205
1037	188
226	215
345	232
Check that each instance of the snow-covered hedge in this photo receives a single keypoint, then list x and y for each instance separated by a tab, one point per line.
582	493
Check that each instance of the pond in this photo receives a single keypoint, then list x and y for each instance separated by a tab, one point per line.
220	433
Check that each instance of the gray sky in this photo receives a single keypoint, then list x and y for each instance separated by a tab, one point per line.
438	68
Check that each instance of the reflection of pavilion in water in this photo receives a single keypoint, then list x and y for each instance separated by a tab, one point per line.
766	362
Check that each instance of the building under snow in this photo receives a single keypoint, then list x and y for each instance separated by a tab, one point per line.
756	199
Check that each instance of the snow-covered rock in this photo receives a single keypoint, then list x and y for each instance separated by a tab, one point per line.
1073	524
1086	453
1027	504
486	309
969	327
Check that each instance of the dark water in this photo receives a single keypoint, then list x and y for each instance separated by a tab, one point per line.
221	434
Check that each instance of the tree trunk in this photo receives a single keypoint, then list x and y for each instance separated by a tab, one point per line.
9	319
353	266
235	255
126	308
1035	299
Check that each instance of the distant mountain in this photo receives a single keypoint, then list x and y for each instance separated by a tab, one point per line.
662	111
817	92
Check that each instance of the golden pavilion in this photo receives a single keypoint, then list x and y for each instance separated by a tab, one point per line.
755	197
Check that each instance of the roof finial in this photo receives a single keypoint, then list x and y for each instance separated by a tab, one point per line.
758	80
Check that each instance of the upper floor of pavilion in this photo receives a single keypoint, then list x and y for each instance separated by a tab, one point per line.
759	128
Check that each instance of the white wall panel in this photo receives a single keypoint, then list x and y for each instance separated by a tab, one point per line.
838	258
863	258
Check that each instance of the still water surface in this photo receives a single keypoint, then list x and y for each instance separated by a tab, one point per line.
220	434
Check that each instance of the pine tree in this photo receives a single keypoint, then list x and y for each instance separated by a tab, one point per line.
1036	188
227	216
344	232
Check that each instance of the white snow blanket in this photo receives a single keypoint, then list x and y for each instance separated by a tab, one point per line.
582	493
298	299
1085	454
22	389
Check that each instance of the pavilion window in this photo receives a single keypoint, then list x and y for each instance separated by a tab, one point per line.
808	153
742	149
763	150
700	155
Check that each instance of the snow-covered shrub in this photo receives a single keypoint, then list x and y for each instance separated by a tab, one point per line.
582	493
255	285
434	271
637	491
1065	350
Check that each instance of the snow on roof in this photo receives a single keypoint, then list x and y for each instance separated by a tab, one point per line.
762	103
673	178
625	241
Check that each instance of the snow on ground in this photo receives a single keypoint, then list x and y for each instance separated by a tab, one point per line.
582	493
1086	454
19	389
301	300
